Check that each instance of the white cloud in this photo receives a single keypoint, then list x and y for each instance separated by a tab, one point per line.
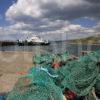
50	18
55	30
22	8
53	9
97	27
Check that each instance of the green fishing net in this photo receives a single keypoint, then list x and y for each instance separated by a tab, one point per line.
92	56
80	76
47	58
42	59
40	87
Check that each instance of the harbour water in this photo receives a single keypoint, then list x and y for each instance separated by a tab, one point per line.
54	47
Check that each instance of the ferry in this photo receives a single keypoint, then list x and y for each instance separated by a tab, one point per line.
34	40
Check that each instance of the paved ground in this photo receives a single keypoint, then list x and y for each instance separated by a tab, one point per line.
11	63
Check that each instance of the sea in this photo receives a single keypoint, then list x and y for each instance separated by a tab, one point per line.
54	47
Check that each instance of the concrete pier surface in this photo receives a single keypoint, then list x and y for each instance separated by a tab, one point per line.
11	64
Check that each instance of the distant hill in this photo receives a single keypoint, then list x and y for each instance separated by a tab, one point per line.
88	40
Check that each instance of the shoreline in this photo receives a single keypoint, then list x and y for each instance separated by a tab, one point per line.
84	43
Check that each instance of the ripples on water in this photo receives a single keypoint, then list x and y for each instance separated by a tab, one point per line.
55	47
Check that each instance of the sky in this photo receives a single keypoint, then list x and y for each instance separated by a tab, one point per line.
50	19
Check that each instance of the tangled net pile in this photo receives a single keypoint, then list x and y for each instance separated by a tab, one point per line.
42	82
37	84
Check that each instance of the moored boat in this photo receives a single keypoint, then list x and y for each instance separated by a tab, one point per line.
35	40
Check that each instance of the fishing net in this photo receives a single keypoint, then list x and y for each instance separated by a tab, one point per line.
45	83
40	86
42	59
80	76
46	59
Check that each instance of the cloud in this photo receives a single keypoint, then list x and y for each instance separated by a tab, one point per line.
93	1
23	10
97	28
51	18
55	30
30	10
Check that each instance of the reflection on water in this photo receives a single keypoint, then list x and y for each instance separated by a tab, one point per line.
54	47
